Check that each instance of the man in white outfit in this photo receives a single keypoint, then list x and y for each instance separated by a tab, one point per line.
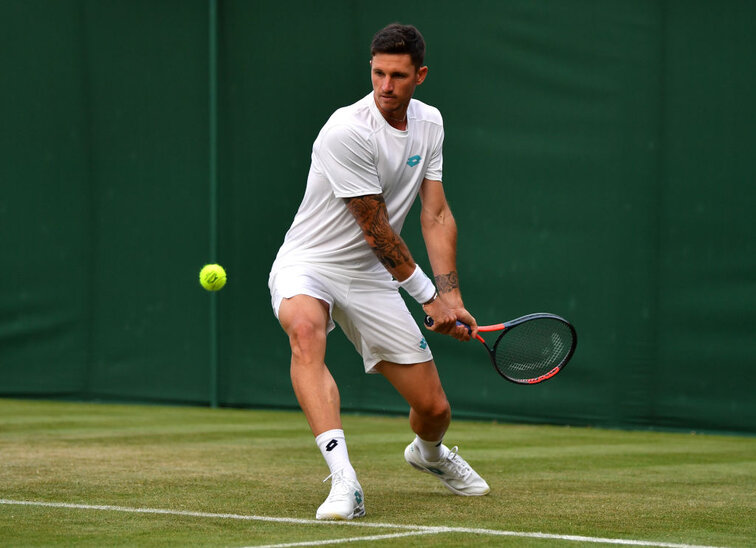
343	261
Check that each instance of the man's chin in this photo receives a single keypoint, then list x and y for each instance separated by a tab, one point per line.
389	105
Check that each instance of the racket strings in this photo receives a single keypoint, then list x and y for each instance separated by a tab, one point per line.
533	348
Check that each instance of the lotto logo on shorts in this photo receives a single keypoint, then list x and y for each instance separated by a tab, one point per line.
423	343
413	160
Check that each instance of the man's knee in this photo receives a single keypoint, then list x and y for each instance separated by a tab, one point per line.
434	409
305	320
306	337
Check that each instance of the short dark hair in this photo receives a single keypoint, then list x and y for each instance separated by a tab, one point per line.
398	38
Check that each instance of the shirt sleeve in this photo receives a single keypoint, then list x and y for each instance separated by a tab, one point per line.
435	169
348	162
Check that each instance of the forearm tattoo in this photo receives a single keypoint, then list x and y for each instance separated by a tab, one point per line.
446	283
372	216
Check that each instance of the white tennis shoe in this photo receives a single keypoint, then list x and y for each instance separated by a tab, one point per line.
452	470
345	501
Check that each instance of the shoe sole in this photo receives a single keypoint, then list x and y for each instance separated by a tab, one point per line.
358	513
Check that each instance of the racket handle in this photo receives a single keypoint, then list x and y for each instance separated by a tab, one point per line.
429	322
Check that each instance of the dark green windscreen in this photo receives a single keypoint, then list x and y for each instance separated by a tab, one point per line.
598	159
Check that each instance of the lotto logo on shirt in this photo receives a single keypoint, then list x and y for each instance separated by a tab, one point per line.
413	160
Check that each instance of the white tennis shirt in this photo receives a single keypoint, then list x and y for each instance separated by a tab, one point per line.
358	153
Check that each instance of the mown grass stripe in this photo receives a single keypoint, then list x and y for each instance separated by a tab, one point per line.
345	540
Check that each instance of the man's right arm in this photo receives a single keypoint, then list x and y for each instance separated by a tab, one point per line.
372	216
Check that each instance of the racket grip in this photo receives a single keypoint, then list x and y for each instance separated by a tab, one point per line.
429	322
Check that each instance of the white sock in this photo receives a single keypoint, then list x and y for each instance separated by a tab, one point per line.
430	450
334	449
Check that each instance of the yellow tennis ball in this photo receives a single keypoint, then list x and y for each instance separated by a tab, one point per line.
212	277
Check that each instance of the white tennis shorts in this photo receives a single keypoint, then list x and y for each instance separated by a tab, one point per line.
370	311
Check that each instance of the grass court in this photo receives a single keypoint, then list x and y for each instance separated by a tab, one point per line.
86	474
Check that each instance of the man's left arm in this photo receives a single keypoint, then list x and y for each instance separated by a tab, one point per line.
440	234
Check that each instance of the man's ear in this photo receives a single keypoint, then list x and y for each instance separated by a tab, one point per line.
422	72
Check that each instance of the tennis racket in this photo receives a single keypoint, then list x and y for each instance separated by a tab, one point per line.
530	349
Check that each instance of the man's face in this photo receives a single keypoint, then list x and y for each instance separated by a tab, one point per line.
394	81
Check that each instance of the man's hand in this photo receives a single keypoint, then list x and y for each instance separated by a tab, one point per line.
445	319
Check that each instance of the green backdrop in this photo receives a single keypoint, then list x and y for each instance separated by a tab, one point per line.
598	158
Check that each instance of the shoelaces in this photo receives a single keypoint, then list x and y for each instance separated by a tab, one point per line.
457	464
339	486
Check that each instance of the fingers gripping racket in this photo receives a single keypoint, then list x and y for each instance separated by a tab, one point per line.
530	349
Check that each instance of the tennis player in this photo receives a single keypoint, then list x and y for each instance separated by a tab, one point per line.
344	261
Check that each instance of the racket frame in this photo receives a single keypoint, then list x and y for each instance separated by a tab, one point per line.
505	328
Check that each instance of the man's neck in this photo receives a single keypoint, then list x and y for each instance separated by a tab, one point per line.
398	122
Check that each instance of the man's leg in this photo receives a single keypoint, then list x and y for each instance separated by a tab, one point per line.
305	320
430	415
419	384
